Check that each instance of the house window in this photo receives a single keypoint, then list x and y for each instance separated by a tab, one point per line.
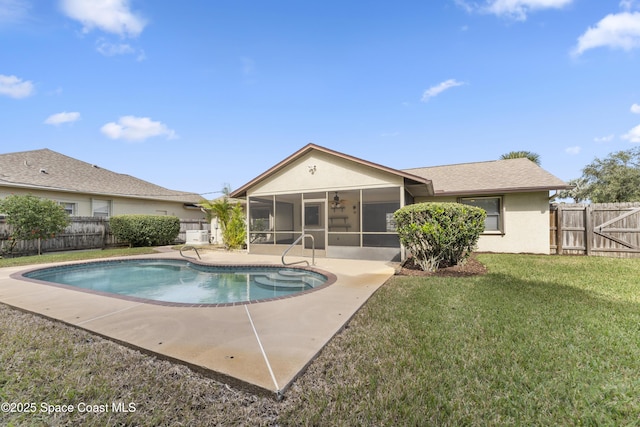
493	207
101	208
69	208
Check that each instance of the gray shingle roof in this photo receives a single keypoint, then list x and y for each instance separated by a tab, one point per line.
48	170
498	176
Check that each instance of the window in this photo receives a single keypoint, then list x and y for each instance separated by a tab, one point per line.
493	207
101	208
69	208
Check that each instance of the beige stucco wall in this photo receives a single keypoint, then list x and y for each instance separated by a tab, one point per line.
526	224
331	173
119	205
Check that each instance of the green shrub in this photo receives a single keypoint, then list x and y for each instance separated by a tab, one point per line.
145	230
234	233
439	234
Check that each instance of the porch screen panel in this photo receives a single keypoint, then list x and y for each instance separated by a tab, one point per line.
378	225
287	218
261	220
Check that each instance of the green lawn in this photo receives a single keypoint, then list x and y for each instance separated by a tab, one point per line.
73	256
539	340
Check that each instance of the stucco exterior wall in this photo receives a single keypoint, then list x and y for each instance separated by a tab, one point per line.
526	224
330	174
119	205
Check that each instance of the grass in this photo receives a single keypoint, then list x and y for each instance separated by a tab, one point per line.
73	256
539	340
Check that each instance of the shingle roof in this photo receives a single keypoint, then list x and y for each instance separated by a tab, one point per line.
48	170
498	176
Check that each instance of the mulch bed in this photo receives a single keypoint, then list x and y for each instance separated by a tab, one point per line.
472	267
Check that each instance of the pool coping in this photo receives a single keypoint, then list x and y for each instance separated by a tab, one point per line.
331	279
262	347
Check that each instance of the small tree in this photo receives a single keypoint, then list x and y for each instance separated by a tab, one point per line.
31	218
439	234
234	234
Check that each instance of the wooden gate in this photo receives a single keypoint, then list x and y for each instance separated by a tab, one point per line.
604	229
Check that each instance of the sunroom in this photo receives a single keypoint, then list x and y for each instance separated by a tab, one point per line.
342	205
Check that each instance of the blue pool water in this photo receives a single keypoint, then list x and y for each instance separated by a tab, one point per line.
181	281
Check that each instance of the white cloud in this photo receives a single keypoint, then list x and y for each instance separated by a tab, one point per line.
629	4
518	9
635	108
64	117
573	150
111	49
607	138
13	11
112	16
633	135
15	87
439	88
620	30
514	9
133	128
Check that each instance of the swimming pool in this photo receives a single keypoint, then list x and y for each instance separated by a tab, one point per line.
180	282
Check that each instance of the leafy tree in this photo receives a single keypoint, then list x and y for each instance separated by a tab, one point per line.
31	218
534	157
580	187
615	178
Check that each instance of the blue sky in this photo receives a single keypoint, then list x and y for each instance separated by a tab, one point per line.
191	95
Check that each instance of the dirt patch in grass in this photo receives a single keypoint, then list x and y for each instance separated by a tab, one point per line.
472	267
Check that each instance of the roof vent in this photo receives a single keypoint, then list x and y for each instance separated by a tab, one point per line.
44	171
95	166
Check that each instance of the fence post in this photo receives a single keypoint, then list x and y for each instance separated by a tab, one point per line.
559	250
588	229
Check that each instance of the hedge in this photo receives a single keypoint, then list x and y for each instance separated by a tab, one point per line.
145	230
439	234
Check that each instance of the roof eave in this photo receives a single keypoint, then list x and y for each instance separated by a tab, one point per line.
502	190
95	193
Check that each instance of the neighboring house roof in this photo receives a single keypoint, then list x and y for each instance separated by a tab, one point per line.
419	185
497	176
48	170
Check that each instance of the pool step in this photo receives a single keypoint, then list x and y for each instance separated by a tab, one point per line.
282	283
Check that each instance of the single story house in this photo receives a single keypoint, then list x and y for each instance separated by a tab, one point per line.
347	203
85	189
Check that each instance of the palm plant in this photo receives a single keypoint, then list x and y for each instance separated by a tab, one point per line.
534	157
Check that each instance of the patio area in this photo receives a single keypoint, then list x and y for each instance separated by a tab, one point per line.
259	346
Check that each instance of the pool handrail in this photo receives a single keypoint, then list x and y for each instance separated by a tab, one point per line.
313	250
187	247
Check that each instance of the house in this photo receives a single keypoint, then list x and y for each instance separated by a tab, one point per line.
347	203
85	189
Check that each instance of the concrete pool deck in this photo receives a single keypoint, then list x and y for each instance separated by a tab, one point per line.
263	346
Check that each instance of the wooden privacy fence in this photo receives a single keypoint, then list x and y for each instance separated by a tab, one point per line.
602	229
84	233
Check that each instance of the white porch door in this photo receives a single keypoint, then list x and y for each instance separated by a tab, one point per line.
314	222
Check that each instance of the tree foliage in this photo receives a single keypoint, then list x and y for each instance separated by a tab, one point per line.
534	157
613	179
234	234
32	217
439	234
